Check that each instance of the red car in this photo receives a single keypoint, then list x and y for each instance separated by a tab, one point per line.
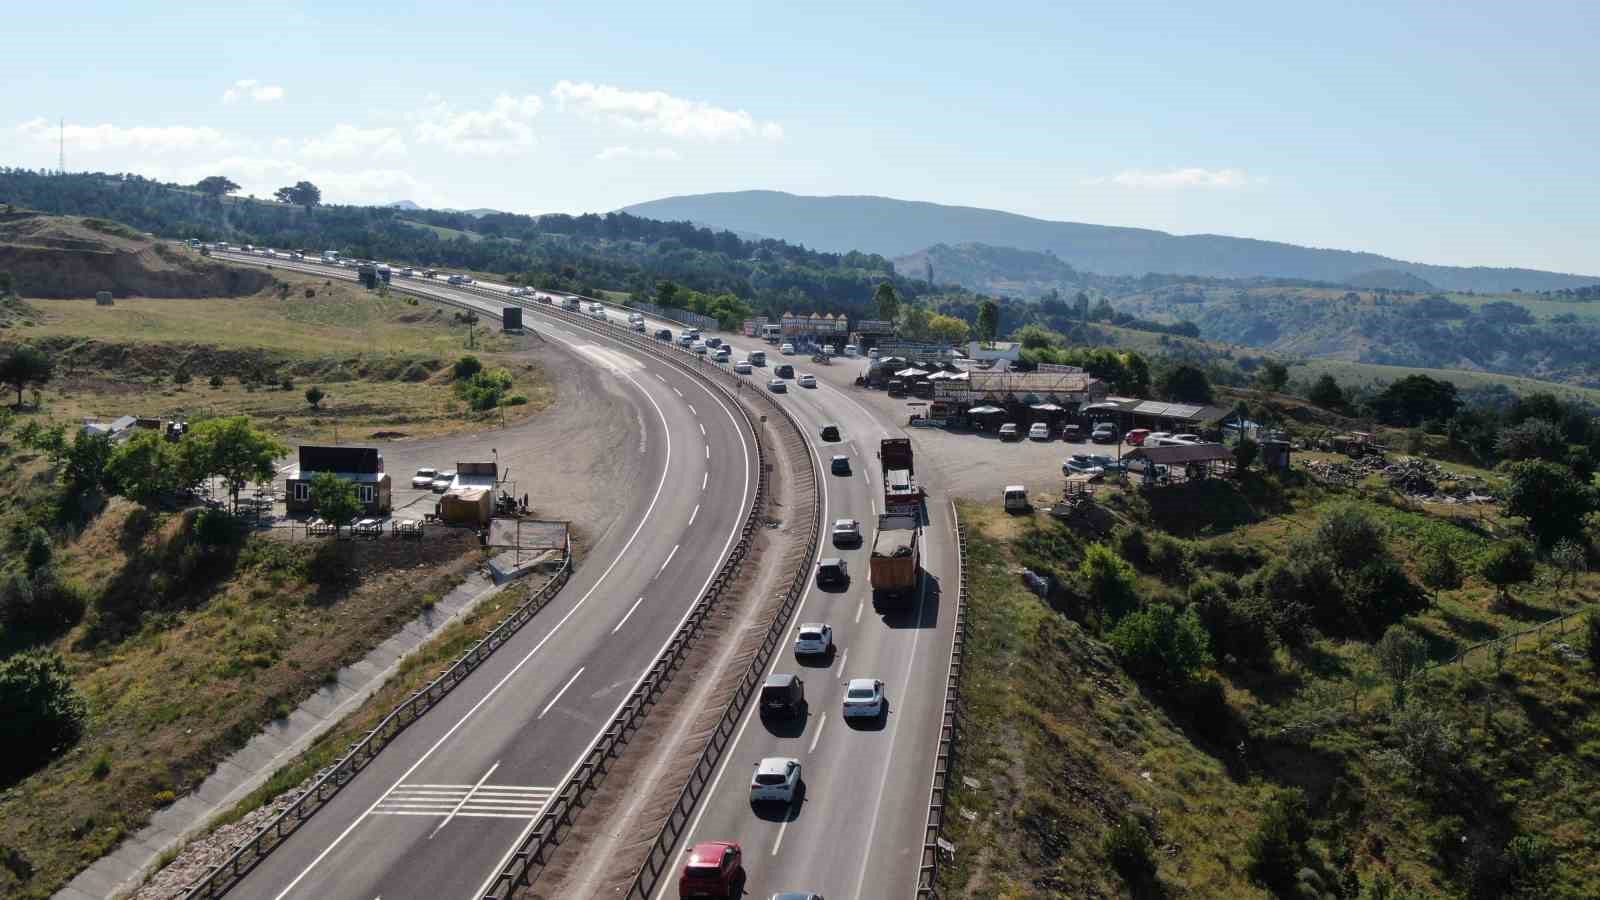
1136	437
713	869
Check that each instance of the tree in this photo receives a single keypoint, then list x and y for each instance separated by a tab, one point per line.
181	377
1108	581
1273	376
144	468
887	302
1401	654
1507	563
1350	537
302	193
666	293
216	187
1161	645
1591	622
23	366
334	499
1326	393
948	329
87	460
230	448
1570	558
1532	439
914	321
44	712
1245	452
1037	337
314	396
1184	383
466	367
1415	399
988	320
8	285
1550	498
1279	842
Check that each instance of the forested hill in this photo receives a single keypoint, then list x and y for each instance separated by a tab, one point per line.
900	227
614	251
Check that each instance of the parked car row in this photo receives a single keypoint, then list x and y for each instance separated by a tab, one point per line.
436	480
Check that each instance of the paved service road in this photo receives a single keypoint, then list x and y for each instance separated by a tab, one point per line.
440	808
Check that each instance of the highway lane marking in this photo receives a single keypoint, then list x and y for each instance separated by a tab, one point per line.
744	449
781	829
703	479
622	554
702	429
874	508
557	697
859	607
722	768
818	736
692	409
627	615
843	657
894	731
658	375
696	512
708	451
468	795
676	391
664	562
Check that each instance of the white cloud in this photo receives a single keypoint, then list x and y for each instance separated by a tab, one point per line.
501	129
350	142
98	138
253	89
660	153
662	113
1180	179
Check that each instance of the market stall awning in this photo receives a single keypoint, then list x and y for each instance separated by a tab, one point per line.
985	410
1046	407
910	373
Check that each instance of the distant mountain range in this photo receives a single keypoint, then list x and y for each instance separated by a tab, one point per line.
898	228
409	206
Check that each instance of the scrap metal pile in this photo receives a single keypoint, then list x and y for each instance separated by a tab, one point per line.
1417	478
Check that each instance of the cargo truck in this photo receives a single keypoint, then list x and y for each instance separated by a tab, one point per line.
901	493
896	560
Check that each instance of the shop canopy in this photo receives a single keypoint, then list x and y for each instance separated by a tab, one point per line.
985	410
1046	407
910	373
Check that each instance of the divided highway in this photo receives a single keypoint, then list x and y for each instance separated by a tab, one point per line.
437	812
857	832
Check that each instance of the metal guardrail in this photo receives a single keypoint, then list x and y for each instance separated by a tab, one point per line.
529	858
224	876
949	730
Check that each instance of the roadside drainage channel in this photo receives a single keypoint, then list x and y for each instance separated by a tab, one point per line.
121	871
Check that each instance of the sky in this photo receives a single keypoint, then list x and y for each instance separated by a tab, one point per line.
1455	133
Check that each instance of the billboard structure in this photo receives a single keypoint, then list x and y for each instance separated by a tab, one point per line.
815	325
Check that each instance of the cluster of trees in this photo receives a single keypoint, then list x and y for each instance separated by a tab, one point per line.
1126	372
726	307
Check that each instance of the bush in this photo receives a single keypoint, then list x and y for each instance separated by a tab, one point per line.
1240	628
44	712
1507	563
38	550
466	367
1133	546
1427	741
214	528
1129	850
1591	623
1278	844
215	381
1440	570
1350	537
1108	581
1161	645
516	400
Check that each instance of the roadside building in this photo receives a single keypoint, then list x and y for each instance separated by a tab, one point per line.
470	497
362	466
1186	462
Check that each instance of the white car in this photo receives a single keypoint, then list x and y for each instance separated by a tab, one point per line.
423	480
846	531
775	780
873	353
442	481
863	699
813	639
1039	431
851	350
786	349
699	347
1188	438
806	379
742	367
778	386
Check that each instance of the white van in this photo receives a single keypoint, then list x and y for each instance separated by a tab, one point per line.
758	357
1016	498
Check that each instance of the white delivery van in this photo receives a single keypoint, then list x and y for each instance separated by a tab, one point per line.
1016	498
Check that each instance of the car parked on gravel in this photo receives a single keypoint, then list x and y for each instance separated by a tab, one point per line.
441	482
423	480
1081	464
1010	432
1039	431
1104	433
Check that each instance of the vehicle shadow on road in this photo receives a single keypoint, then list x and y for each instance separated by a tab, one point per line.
787	726
767	811
818	660
876	723
925	615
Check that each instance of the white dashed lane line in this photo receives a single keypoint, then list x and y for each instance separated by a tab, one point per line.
695	513
664	562
554	700
628	615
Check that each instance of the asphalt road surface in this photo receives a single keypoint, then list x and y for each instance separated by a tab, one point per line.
440	809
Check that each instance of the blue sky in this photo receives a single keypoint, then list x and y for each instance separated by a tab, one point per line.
1459	133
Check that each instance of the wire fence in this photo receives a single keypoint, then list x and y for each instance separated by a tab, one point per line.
934	847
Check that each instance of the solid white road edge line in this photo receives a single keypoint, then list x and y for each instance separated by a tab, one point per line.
557	698
666	467
722	768
744	447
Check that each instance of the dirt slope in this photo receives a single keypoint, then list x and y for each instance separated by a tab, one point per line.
71	257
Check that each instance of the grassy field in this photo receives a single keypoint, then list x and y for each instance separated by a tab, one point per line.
446	234
1062	744
381	361
1358	373
182	660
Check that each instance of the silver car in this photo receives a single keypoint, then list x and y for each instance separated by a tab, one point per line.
775	780
442	482
863	699
423	480
813	639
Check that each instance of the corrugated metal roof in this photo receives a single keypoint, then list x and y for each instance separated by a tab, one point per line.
1182	455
